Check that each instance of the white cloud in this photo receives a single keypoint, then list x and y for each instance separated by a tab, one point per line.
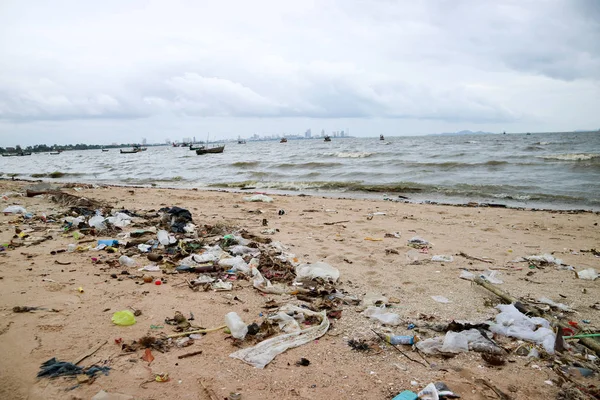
419	65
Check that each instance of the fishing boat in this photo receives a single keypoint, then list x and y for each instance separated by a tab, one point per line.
327	138
104	149
196	148
54	153
212	150
283	140
241	141
381	137
135	150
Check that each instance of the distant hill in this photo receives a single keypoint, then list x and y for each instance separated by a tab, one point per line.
467	132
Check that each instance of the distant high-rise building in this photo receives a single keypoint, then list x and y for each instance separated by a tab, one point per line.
308	134
342	134
144	141
322	132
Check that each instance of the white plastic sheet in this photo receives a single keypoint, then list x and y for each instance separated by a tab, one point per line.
511	322
317	270
380	314
264	352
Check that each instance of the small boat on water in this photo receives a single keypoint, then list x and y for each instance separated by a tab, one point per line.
327	138
283	140
212	150
16	154
135	150
241	142
196	148
104	149
381	137
54	153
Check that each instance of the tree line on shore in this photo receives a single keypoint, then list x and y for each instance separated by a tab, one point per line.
41	148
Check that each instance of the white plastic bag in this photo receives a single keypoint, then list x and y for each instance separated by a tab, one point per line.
589	274
492	277
220	286
455	342
97	222
442	258
441	299
286	322
545	258
14	210
241	250
265	286
429	392
379	314
511	322
120	220
317	270
126	261
236	264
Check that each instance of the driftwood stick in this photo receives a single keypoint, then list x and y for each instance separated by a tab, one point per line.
586	341
209	391
89	353
468	257
498	292
197	331
194	353
333	223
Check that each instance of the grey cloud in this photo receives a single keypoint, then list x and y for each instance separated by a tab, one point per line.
462	61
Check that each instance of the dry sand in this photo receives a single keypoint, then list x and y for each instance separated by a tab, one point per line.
30	276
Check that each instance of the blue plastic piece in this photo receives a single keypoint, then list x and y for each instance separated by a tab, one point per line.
406	395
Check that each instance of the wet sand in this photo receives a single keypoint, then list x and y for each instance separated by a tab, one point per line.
314	229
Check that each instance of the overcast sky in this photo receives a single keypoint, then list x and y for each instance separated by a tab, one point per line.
117	71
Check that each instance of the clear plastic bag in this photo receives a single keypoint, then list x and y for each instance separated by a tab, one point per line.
97	222
511	322
442	258
14	210
317	270
379	314
455	342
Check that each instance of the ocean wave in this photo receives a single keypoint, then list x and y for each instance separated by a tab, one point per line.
571	157
245	164
357	154
533	148
451	164
308	165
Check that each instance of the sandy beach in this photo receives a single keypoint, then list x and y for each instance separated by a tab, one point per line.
366	240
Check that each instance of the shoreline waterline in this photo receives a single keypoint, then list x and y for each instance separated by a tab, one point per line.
323	194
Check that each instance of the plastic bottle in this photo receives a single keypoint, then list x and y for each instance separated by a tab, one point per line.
71	247
126	261
400	339
236	326
163	237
